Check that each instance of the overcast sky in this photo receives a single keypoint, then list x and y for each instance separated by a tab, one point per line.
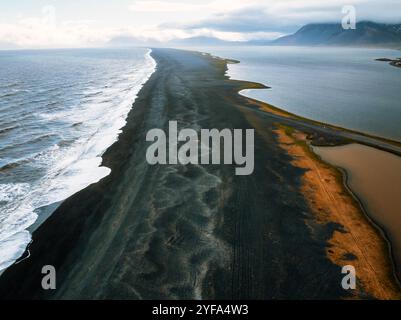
67	23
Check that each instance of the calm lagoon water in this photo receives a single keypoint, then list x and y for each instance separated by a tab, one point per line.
340	86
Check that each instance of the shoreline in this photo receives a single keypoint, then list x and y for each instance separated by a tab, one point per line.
363	201
112	250
266	107
290	141
380	228
393	62
282	111
84	166
357	135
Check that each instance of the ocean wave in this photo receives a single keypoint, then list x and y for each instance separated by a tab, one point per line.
9	85
12	247
10	166
9	94
93	94
29	141
17	214
8	129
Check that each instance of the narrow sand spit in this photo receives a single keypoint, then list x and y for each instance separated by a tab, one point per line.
200	231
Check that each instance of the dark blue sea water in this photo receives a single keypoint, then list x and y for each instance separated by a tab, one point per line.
59	111
340	86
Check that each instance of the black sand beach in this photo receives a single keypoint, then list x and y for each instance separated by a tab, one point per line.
190	232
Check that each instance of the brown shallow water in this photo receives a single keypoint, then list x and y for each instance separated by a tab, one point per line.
375	177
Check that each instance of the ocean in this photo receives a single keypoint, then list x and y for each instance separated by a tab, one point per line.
59	112
340	86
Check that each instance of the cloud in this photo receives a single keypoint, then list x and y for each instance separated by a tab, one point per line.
247	20
44	31
32	33
162	6
263	19
164	20
186	6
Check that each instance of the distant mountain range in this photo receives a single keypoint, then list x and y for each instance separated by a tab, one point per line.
190	42
369	34
366	34
203	41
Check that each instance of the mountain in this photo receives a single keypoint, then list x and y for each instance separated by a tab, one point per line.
202	41
128	41
259	42
367	33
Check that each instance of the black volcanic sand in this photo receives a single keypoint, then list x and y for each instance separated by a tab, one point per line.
184	232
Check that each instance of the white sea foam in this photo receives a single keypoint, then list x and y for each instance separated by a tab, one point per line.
72	167
12	247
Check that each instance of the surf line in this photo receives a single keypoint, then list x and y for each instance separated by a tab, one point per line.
186	147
